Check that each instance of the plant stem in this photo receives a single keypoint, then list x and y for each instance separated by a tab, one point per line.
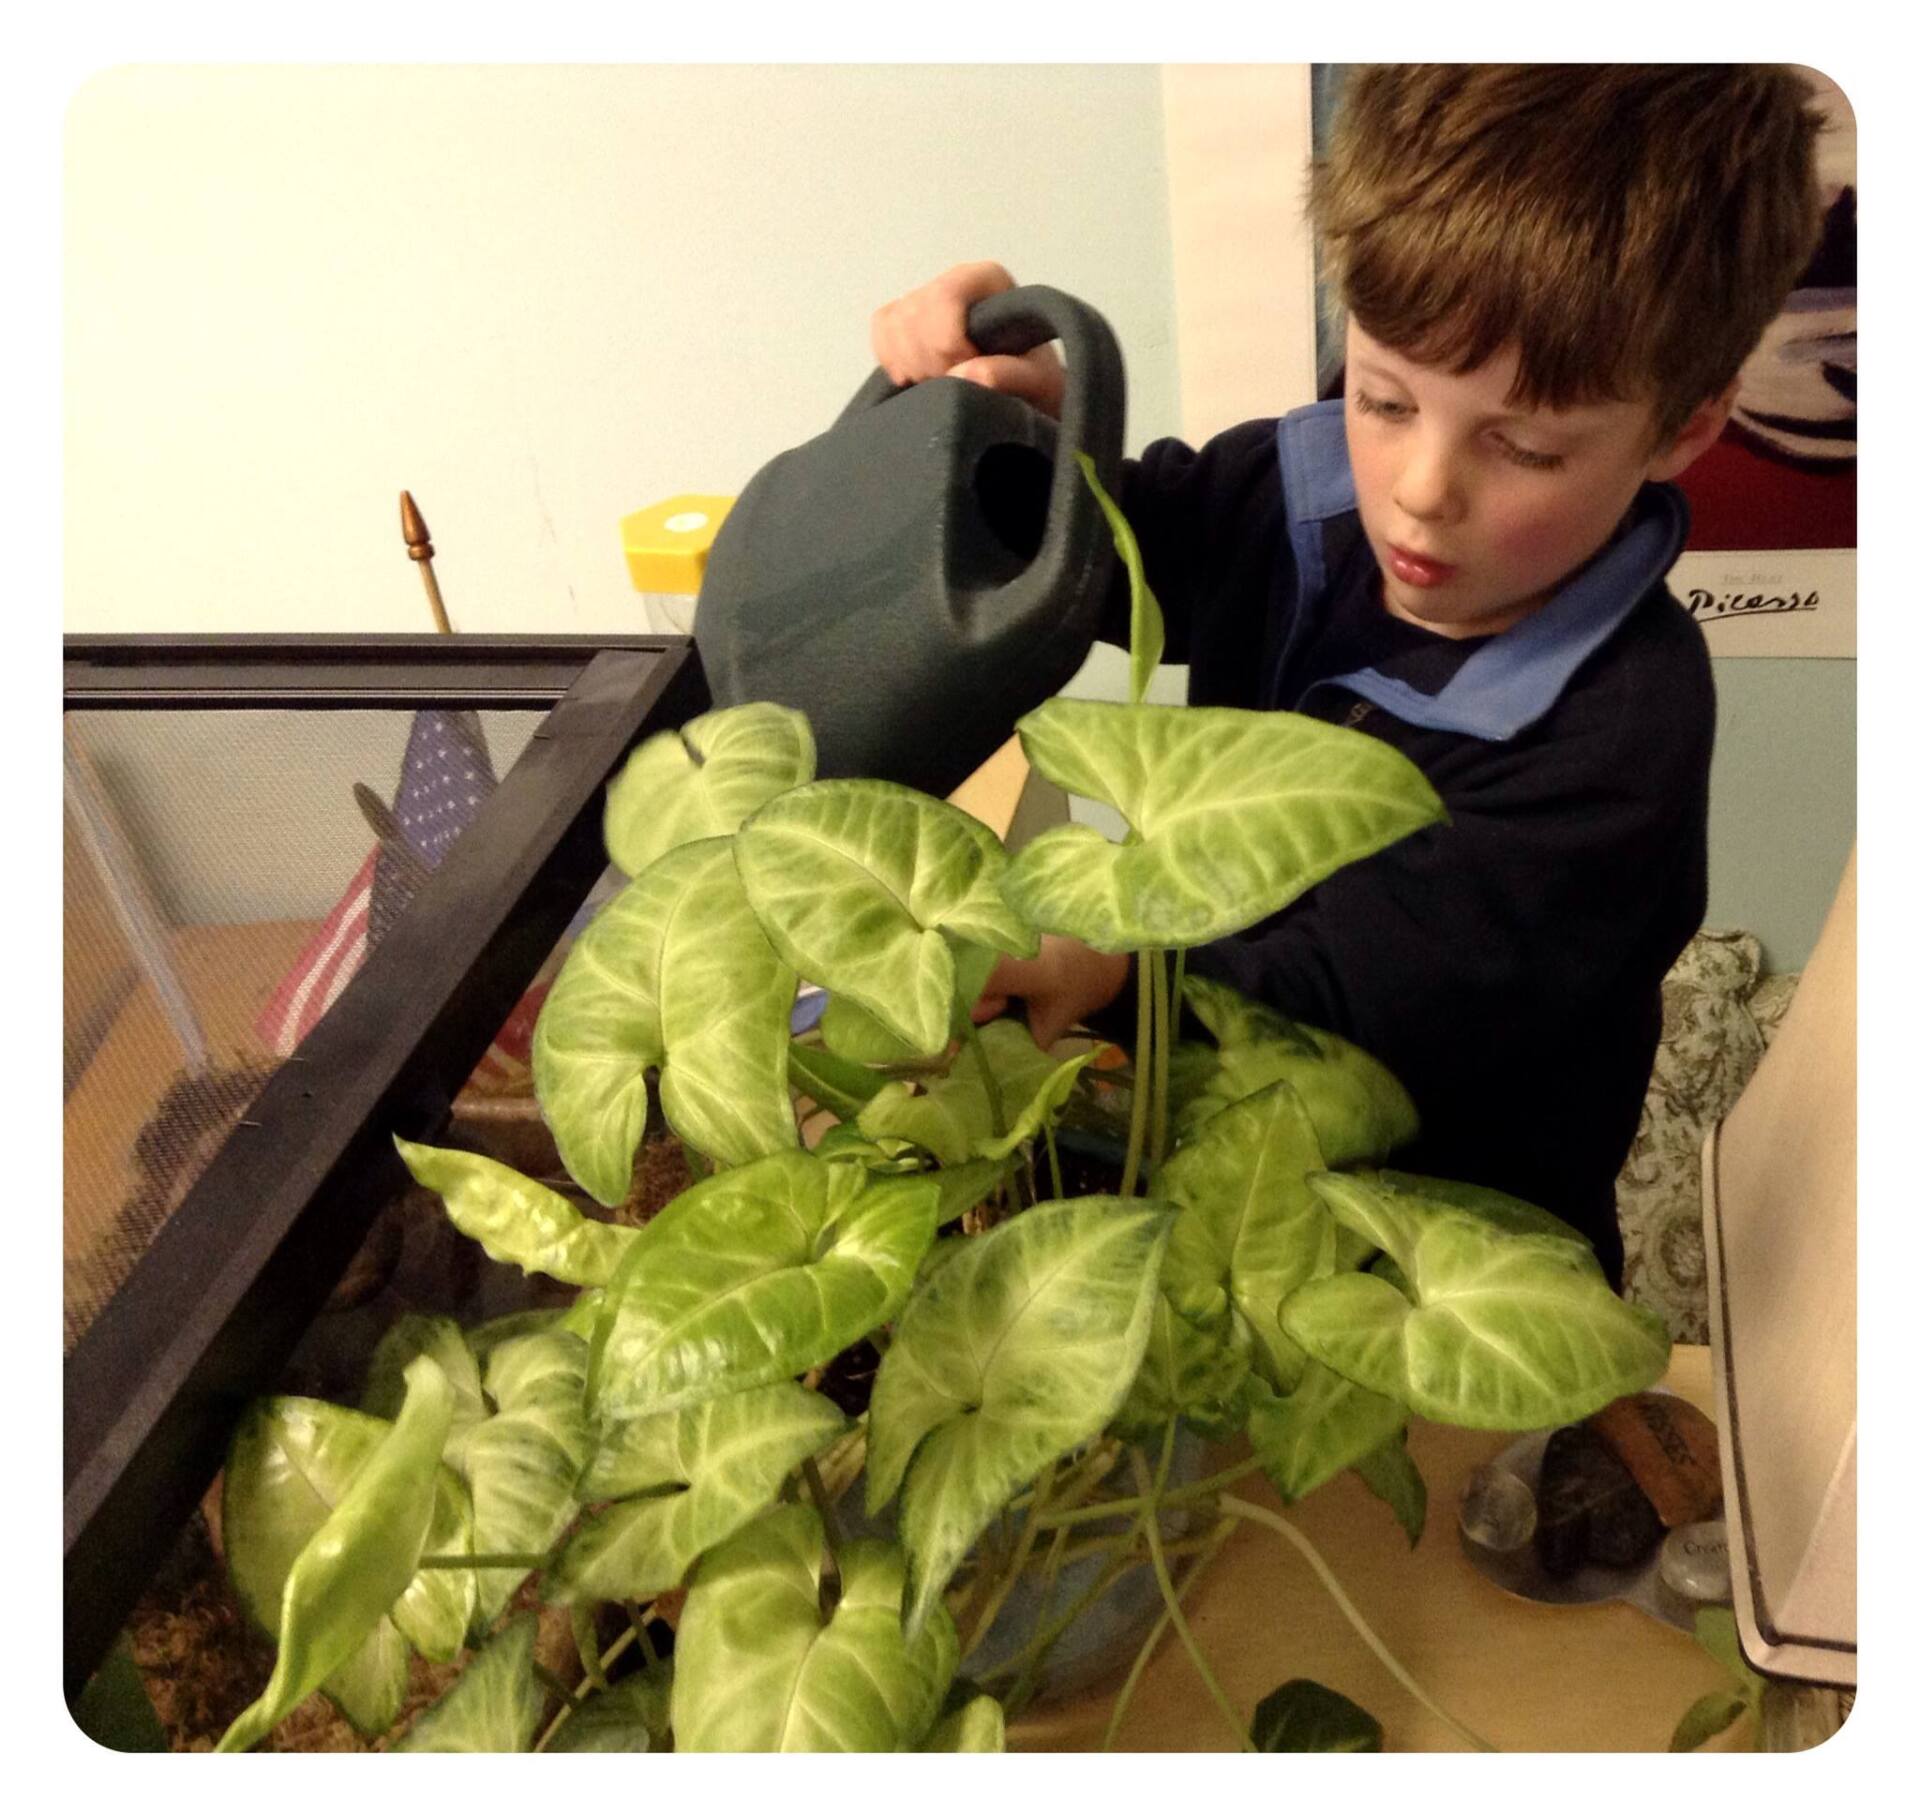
1024	1666
1245	1509
493	1559
824	1502
637	1626
1142	1047
1053	1161
1128	1542
1207	1552
1152	1522
1163	1038
573	1698
1179	1496
586	1641
1179	996
993	1555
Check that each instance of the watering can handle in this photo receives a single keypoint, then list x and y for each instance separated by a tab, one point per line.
1093	418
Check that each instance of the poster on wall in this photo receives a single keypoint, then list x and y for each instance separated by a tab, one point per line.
1768	568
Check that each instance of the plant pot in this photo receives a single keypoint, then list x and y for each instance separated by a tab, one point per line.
1102	1641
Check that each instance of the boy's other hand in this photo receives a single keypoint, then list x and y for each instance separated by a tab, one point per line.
924	335
1067	982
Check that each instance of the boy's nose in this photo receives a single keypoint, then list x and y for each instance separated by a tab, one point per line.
1427	486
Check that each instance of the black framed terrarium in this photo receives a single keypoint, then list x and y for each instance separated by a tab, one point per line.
310	887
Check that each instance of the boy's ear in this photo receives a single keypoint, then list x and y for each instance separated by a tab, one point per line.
1698	433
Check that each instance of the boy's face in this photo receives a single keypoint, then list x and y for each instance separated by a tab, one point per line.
1478	510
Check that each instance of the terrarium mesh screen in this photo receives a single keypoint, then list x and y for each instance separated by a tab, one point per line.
225	874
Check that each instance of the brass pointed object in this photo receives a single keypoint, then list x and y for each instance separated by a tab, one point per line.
413	527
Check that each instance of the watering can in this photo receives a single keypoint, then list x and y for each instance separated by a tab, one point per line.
931	567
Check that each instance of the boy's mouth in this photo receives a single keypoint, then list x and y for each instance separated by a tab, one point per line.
1418	570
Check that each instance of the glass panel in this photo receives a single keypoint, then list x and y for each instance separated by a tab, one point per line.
225	874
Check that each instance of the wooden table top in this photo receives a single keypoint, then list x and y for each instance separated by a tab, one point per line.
1526	1677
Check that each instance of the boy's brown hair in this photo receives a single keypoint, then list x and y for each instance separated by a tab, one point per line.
1630	228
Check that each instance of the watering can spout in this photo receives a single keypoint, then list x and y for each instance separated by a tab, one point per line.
931	567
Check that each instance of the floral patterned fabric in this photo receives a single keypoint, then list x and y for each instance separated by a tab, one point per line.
1718	1013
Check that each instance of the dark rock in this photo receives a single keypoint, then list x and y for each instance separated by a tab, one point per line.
1591	1508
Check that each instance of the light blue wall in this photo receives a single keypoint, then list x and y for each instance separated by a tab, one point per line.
1783	802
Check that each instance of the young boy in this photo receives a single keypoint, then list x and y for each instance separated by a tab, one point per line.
1552	275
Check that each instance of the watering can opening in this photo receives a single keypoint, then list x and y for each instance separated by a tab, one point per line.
931	567
1011	485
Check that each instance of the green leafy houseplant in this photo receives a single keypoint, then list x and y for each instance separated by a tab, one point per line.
1255	1272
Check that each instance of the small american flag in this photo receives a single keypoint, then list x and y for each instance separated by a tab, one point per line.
444	777
321	971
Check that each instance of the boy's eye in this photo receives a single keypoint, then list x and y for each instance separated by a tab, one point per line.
1376	406
1526	457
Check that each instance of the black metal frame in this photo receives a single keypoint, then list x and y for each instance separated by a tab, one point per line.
212	1311
334	671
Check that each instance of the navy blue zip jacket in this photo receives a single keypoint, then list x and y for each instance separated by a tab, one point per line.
1506	966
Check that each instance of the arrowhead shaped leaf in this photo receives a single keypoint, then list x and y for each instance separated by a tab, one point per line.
701	1473
704	779
756	1275
851	1033
981	1726
835	1083
758	1669
1194	1368
1357	1106
494	1707
952	1118
1249	1224
355	1559
1496	1209
673	974
522	1463
1392	1476
1232	815
370	1688
1712	1714
1305	1716
962	1187
1324	1425
847	1146
291	1464
1021	1346
854	1034
518	1442
857	881
1505	1330
385	1389
517	1220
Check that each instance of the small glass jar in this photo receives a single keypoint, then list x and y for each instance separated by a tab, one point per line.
666	546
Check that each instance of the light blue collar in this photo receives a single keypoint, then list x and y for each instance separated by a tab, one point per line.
1513	678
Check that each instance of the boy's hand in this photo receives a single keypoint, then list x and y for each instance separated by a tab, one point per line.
1067	982
924	335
